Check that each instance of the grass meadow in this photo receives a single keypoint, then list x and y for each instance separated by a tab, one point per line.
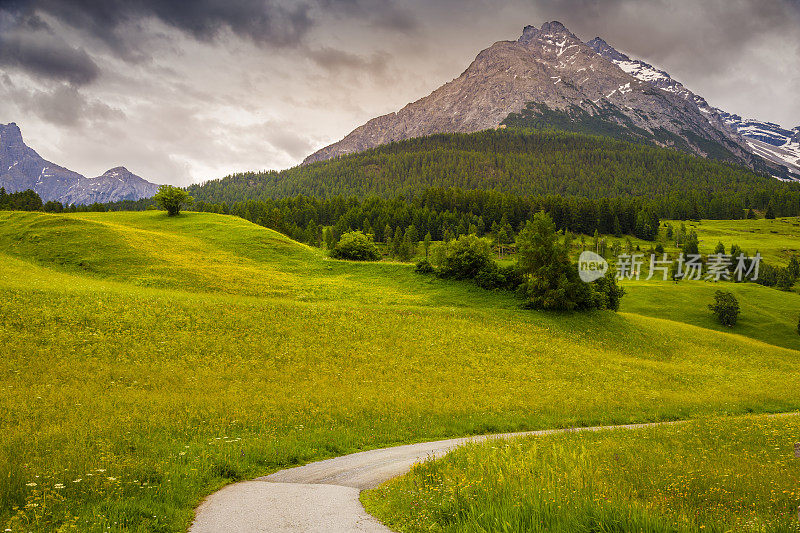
146	361
711	475
777	240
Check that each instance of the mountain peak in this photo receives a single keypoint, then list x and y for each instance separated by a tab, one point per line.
531	33
116	170
10	133
606	50
554	27
549	68
22	168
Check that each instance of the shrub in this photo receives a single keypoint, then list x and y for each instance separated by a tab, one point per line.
513	275
490	278
465	257
423	266
609	291
784	280
725	307
355	246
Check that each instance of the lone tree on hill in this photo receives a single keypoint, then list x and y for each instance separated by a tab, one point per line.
725	307
172	199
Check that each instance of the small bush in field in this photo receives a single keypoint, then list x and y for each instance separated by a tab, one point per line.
465	257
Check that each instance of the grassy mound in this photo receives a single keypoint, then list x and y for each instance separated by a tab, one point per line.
197	350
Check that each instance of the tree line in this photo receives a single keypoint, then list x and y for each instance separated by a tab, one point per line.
26	200
445	214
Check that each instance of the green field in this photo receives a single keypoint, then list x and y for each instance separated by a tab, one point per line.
714	475
146	361
777	240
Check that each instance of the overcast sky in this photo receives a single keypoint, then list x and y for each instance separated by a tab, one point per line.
181	91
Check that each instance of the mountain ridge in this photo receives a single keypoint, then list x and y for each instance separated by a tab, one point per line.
21	168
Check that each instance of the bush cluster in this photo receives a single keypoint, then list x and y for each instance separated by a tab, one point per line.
355	246
470	257
543	274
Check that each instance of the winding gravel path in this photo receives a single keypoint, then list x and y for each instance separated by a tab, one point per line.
323	496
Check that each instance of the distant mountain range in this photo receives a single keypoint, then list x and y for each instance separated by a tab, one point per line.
22	168
548	78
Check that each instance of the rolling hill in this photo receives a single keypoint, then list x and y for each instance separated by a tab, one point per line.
145	361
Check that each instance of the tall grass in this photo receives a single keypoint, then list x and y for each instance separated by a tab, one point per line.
708	476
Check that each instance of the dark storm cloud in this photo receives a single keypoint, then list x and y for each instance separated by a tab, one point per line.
29	44
262	21
383	14
62	105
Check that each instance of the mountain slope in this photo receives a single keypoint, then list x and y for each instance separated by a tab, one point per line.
777	145
22	168
516	162
549	69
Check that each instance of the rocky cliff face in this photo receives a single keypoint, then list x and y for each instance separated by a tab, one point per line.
550	68
22	168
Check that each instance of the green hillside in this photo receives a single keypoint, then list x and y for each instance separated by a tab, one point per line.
146	361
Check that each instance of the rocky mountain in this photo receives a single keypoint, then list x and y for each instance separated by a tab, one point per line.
778	146
22	168
549	76
112	186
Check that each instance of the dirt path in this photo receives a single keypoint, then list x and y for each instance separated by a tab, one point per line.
323	496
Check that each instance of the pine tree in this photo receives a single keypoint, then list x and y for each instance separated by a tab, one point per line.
617	227
553	281
794	268
397	242
406	247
